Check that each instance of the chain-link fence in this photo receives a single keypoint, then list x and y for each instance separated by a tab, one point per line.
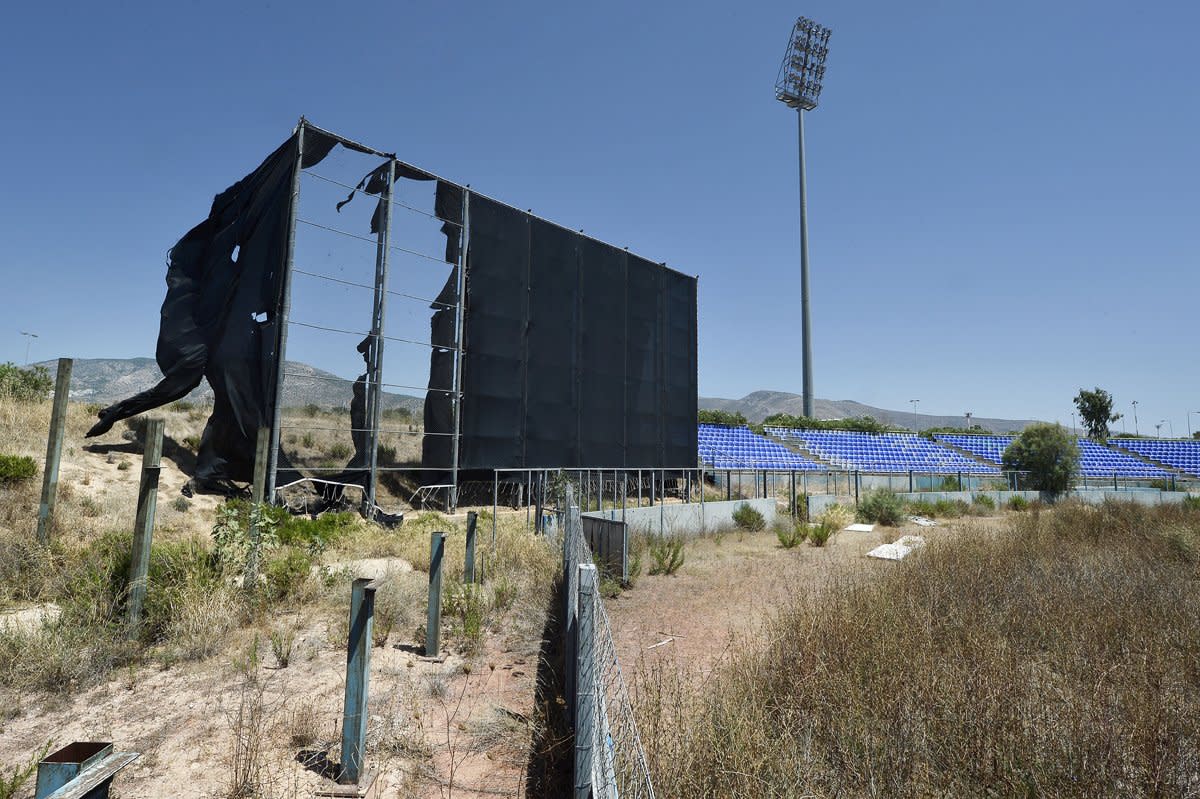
609	758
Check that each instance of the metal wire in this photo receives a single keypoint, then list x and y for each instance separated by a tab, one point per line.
336	379
372	288
358	334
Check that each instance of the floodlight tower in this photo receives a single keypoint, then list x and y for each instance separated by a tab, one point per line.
799	85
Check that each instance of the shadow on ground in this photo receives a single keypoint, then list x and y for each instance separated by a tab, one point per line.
551	754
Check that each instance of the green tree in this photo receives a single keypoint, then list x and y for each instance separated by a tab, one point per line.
1096	411
25	384
1047	454
706	416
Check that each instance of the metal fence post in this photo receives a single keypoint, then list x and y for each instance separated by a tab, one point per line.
571	535
143	526
469	564
585	688
54	442
433	626
358	672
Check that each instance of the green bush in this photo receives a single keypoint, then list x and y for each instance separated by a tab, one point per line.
791	535
1047	455
721	417
1018	503
860	424
881	506
1191	502
286	572
25	384
666	553
822	532
15	468
984	501
747	518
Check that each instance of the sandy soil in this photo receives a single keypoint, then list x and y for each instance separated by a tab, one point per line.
728	586
456	725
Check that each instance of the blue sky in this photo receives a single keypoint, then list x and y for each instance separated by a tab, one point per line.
1003	197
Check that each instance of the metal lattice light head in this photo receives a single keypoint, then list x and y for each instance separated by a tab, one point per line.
803	67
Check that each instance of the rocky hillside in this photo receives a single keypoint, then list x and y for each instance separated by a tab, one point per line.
107	380
758	405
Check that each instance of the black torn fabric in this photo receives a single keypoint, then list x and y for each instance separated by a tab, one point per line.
219	317
375	181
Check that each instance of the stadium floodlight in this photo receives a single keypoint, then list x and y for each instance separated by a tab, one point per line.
798	85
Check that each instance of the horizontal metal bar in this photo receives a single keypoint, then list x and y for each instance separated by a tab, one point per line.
360	334
349	143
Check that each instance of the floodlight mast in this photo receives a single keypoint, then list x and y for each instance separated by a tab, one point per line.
799	86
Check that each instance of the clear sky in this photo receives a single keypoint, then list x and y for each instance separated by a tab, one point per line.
1003	196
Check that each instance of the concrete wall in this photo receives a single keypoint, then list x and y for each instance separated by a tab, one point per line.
1143	496
688	519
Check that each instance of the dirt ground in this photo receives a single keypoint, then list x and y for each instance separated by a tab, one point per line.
729	585
459	726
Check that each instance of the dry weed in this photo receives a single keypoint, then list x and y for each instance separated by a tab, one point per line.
1055	658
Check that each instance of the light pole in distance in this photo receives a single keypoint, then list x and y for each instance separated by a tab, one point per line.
1135	424
914	404
799	85
29	337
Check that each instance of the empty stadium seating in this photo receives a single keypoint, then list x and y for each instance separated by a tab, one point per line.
990	448
1095	460
883	452
724	447
1182	455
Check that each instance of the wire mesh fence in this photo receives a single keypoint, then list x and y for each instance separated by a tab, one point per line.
610	760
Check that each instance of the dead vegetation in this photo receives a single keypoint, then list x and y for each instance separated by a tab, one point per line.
199	618
1055	657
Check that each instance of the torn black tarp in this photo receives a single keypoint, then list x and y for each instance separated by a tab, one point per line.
219	318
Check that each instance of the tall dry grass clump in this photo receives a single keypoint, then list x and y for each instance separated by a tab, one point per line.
1060	657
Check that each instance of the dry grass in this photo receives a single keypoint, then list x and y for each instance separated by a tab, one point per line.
1060	657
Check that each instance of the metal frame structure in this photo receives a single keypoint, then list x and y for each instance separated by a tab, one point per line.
385	244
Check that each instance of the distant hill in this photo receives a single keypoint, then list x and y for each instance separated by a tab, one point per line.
107	380
758	405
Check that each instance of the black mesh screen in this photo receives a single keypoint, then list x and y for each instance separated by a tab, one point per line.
577	353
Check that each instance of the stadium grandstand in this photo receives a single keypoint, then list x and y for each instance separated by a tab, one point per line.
722	447
1181	455
882	452
1095	460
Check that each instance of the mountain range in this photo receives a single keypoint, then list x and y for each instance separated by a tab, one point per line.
758	405
107	380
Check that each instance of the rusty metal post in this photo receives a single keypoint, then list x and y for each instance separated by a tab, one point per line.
433	626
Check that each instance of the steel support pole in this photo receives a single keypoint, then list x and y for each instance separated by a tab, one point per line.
54	443
358	674
805	316
283	312
143	526
495	505
383	243
464	242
